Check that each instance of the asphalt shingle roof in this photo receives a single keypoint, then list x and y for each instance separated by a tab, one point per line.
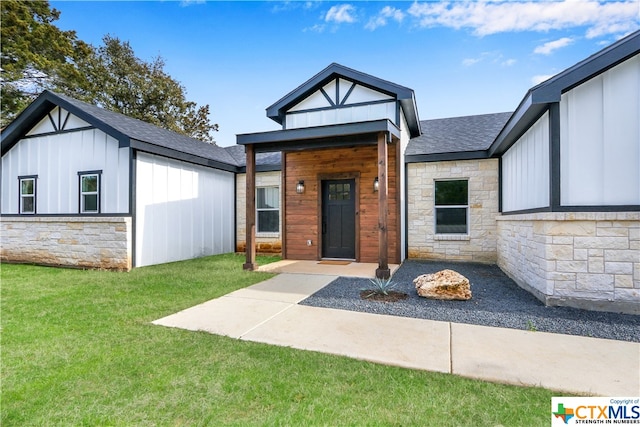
457	134
146	132
262	159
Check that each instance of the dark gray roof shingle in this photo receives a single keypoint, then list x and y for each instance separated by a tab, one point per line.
151	134
262	159
457	134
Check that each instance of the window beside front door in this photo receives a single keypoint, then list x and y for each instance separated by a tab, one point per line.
452	206
27	187
89	192
268	210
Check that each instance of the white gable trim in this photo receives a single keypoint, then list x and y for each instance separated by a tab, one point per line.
337	93
57	120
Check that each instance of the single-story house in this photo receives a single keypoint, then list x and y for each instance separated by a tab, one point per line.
550	192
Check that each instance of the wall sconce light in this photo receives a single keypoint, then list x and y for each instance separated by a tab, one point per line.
300	187
376	185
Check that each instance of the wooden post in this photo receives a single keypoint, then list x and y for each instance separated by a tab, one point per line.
250	263
383	271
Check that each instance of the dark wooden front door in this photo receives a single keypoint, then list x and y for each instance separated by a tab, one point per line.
339	218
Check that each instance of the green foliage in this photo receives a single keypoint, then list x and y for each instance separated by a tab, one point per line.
36	55
115	79
380	286
78	348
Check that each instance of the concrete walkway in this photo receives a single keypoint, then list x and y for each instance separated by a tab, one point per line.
268	312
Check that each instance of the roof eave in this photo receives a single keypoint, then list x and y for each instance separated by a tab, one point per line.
44	103
280	139
538	98
277	111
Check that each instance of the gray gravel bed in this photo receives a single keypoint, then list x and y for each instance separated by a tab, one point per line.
497	301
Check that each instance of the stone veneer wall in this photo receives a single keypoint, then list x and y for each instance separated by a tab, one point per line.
585	260
265	242
477	246
85	242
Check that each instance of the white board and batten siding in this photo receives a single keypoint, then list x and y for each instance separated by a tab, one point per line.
525	170
349	103
56	158
183	210
600	139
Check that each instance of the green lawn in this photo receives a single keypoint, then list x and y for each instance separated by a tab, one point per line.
78	349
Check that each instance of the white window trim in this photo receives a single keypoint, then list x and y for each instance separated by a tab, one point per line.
21	179
268	233
450	236
98	175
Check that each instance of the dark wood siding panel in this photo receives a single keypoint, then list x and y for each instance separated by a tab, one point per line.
302	211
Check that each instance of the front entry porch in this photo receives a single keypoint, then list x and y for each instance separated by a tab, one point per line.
341	188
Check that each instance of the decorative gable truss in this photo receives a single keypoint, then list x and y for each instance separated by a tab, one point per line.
341	101
56	121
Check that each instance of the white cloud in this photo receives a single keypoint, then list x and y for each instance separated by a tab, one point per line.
185	3
340	14
491	17
380	20
318	28
468	62
492	57
549	47
541	78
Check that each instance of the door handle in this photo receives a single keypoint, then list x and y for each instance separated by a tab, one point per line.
324	227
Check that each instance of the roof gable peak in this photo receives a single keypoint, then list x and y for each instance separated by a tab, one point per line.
335	71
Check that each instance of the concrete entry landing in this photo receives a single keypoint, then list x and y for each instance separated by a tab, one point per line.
268	312
350	269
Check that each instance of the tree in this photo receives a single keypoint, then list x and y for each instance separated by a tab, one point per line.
115	79
35	54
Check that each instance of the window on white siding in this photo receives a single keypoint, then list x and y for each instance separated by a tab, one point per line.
90	191
452	206
27	194
268	209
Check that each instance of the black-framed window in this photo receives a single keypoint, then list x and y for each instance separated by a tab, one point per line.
27	188
89	191
452	206
268	209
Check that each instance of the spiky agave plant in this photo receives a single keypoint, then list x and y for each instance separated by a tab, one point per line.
380	286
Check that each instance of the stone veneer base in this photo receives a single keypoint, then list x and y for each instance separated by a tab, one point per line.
81	242
588	260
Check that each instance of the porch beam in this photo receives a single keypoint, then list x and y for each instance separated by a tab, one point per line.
250	193
383	271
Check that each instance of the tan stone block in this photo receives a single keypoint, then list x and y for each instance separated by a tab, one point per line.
596	252
596	265
623	281
601	243
565	228
572	266
623	255
625	294
618	268
600	231
560	252
565	277
562	240
594	282
580	254
564	285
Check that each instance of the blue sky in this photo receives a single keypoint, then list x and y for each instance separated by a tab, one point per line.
460	58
